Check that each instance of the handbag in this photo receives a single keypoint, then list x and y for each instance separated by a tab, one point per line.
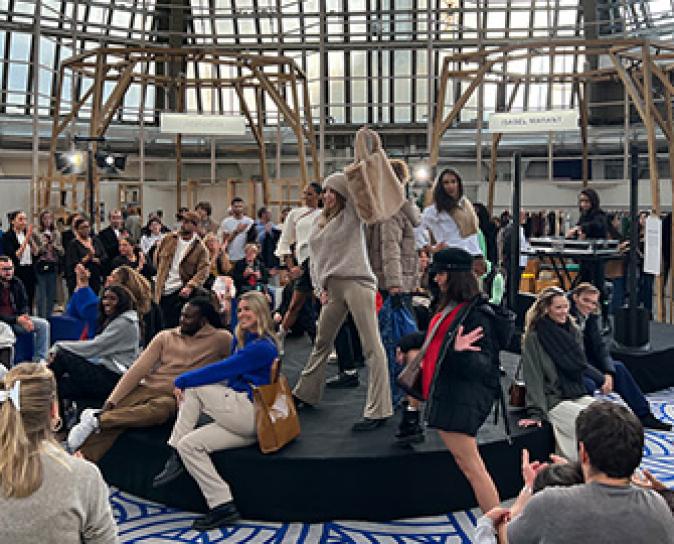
518	389
371	181
409	378
276	420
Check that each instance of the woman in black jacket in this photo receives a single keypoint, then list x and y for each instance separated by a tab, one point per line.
21	246
460	373
134	258
88	251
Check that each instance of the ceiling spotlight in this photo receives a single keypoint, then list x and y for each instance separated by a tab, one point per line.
110	163
421	173
71	162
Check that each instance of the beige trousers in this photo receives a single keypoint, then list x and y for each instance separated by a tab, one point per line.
563	420
233	427
345	296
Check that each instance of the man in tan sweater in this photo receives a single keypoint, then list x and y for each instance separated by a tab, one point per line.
144	395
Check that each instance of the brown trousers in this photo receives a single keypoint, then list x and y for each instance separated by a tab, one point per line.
142	407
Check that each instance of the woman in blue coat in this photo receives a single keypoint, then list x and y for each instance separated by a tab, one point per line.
223	391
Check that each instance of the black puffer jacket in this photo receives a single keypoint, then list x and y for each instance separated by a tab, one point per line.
17	299
466	383
596	351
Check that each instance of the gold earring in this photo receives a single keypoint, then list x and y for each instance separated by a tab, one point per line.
56	426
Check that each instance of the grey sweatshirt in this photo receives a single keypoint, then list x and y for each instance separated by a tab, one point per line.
116	348
338	250
70	507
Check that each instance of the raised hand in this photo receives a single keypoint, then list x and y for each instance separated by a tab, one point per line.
464	342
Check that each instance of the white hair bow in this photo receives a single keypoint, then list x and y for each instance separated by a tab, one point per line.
13	395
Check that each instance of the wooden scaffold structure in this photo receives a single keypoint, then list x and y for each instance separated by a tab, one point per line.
111	71
634	63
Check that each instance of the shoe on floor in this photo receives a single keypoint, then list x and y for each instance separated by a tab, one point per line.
88	425
172	469
651	422
410	430
224	514
342	380
368	424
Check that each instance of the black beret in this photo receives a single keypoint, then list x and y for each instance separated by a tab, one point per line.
452	259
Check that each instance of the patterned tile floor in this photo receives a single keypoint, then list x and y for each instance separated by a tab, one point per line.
144	522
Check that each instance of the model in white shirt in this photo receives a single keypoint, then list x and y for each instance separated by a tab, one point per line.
437	218
296	230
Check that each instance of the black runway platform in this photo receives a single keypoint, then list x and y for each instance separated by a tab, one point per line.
653	369
329	472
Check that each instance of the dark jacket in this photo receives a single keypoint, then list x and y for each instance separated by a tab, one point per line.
596	351
75	252
18	299
466	383
110	242
10	245
594	224
242	283
148	270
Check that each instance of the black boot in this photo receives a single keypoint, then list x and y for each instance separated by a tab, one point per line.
221	515
172	469
410	430
651	422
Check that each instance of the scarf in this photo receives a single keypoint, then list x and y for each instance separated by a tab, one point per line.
465	217
562	346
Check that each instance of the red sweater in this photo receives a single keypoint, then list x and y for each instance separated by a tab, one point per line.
433	351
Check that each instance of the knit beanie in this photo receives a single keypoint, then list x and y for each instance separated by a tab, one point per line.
337	182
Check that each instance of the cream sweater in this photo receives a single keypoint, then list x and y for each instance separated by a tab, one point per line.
338	250
70	507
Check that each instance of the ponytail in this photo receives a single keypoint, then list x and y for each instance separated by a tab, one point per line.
24	426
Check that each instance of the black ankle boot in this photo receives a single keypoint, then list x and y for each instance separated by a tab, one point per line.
410	430
172	469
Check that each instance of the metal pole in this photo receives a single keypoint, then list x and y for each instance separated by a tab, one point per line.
515	236
90	183
634	241
34	188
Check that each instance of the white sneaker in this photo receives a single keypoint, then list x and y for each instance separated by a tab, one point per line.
88	425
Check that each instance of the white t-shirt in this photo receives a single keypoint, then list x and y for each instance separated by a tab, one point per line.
173	281
235	247
26	256
444	229
296	230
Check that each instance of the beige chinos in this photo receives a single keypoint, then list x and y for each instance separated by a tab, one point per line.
233	427
563	419
344	296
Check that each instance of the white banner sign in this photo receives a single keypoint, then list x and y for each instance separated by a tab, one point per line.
202	124
534	121
653	245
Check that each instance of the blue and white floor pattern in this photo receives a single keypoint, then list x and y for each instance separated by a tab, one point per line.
143	522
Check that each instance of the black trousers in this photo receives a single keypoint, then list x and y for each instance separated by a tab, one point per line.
26	273
79	379
171	306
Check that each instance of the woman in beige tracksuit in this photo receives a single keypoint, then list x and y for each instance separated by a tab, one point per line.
341	273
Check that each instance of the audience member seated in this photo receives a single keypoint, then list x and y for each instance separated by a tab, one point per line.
606	508
553	366
614	375
90	369
249	273
46	495
223	391
133	258
14	310
141	290
193	344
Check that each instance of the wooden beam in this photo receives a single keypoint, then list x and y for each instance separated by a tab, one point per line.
670	123
264	173
584	120
630	86
114	100
299	132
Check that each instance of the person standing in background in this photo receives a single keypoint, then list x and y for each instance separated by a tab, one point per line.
19	244
206	224
134	224
85	250
233	230
49	252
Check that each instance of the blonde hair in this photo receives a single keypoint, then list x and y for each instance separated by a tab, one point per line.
23	432
137	285
260	306
540	307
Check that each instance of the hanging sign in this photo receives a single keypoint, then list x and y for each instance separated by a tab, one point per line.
653	245
202	124
534	121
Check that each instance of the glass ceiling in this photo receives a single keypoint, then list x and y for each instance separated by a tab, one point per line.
376	53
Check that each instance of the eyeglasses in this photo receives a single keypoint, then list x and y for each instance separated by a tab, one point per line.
6	268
